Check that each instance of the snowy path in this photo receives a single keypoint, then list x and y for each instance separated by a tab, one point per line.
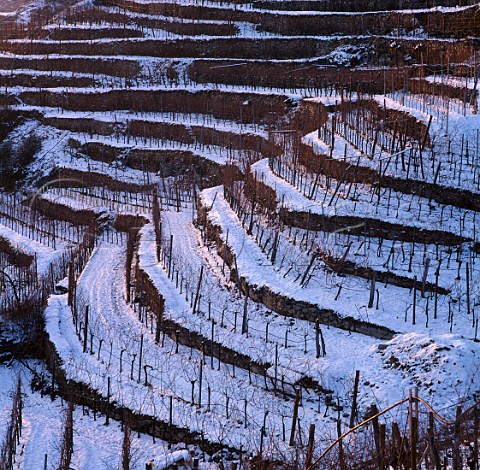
96	447
220	299
101	287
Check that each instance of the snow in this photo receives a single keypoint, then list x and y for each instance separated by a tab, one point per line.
454	123
430	362
438	355
428	214
169	374
248	7
257	269
44	255
95	445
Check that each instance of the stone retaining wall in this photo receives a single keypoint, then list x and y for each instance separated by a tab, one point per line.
282	304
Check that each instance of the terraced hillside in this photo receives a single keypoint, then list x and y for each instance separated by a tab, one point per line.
244	228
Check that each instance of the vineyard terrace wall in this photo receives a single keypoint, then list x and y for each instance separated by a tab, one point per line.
166	162
241	107
86	125
82	394
184	336
395	121
312	75
338	169
203	135
44	81
280	303
352	5
267	198
101	16
14	255
112	66
378	50
450	24
239	48
62	212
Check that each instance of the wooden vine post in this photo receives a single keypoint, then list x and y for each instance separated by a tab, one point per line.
353	414
295	417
